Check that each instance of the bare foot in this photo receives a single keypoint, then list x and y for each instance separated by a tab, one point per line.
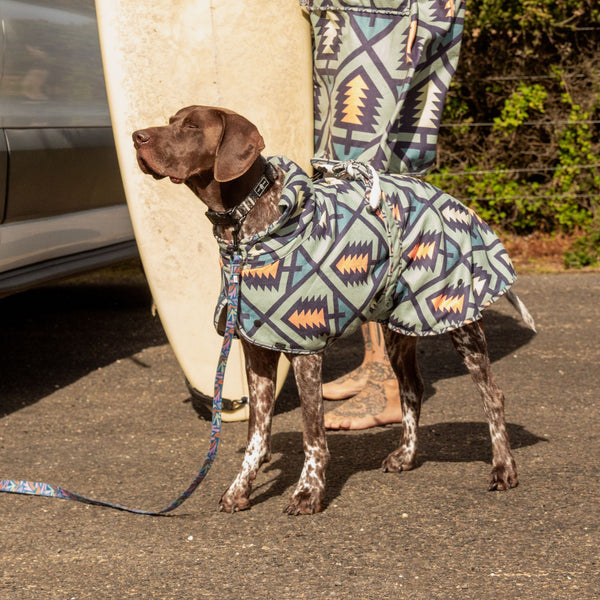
375	367
350	384
377	404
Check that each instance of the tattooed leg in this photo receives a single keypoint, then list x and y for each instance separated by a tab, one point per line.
378	400
375	367
354	382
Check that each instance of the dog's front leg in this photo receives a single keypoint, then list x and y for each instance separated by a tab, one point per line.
308	497
470	343
261	370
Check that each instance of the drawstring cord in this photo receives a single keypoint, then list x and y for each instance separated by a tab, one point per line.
356	171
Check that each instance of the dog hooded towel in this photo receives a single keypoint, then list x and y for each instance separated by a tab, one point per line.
423	263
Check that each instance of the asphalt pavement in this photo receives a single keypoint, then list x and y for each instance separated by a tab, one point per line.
92	398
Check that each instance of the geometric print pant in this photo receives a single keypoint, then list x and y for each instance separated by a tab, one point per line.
381	72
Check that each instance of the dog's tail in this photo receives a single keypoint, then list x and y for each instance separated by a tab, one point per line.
521	309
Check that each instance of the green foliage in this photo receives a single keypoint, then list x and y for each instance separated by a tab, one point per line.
585	250
519	106
528	19
526	155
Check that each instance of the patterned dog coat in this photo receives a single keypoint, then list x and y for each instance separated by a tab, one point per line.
422	263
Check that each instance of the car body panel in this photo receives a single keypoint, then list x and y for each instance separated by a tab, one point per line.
62	204
56	171
3	172
41	240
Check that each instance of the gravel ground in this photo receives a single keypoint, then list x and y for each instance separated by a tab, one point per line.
92	398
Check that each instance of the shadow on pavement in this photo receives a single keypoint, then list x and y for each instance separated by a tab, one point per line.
437	357
355	452
53	336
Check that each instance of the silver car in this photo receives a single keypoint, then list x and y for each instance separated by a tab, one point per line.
62	205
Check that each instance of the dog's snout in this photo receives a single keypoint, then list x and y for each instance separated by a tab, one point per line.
140	137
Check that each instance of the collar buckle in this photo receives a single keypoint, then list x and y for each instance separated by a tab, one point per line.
234	217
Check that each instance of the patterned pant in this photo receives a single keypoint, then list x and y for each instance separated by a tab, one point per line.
381	72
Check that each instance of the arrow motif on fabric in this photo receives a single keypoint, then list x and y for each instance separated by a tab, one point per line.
457	216
262	277
421	251
445	303
307	319
353	263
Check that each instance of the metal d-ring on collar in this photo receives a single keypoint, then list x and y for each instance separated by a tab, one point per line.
234	217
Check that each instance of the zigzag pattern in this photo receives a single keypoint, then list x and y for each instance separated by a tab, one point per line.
457	215
448	302
423	252
354	261
309	316
262	277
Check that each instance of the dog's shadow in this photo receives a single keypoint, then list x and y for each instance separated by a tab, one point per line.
354	452
437	359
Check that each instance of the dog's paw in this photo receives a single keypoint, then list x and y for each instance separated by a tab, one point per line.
232	503
503	477
398	461
305	502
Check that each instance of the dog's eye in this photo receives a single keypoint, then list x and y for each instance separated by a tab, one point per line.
190	125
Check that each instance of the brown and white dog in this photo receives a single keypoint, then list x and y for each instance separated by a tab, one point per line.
217	154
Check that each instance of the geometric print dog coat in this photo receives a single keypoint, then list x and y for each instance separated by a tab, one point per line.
422	263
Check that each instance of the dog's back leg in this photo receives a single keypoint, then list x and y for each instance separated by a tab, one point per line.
261	370
470	343
308	497
402	351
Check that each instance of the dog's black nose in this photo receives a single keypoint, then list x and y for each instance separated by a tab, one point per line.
140	137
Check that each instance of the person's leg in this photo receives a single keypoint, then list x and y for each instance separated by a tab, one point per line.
352	383
374	386
380	82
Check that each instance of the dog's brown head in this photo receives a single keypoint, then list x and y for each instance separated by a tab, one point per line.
199	141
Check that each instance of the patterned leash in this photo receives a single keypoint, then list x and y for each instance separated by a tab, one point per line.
16	486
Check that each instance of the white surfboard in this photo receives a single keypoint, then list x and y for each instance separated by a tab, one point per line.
250	56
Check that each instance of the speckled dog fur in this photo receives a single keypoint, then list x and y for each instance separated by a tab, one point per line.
216	153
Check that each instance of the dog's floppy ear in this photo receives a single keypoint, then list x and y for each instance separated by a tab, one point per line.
240	146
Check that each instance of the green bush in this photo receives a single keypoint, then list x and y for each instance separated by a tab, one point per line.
526	155
585	250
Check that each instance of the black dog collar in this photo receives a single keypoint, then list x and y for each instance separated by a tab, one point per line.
234	217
